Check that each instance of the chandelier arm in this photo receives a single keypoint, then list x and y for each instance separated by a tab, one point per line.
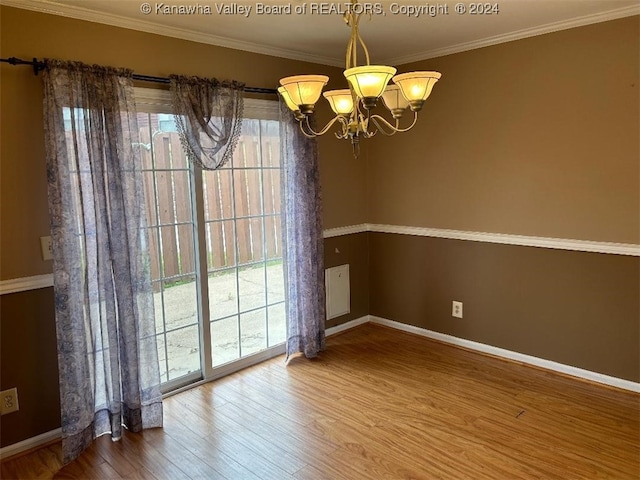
360	117
350	45
391	127
380	129
345	128
354	38
301	123
362	44
326	127
365	125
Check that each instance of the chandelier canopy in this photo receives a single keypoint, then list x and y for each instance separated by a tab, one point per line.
367	83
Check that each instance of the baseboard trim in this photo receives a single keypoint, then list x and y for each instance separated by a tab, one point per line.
511	355
30	443
346	326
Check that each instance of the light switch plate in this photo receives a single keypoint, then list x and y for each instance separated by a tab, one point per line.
47	250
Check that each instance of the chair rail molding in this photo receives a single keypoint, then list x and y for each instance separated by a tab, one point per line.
23	284
590	246
15	285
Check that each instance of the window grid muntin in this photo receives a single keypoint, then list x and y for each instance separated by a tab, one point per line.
163	278
264	237
158	253
250	310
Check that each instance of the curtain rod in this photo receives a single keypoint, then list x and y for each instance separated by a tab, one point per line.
38	66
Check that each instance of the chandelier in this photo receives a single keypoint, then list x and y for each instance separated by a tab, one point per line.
367	83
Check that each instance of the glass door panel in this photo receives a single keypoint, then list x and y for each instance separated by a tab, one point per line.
244	253
168	190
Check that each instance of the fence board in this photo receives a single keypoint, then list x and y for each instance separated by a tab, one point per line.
167	215
243	232
228	193
226	208
217	252
182	196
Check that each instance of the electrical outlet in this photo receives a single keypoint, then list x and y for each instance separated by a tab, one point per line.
9	401
47	249
456	309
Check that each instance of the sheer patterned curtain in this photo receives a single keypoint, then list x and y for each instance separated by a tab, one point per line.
303	247
109	374
208	114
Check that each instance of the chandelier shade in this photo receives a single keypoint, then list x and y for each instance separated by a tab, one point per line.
416	86
341	101
287	99
304	90
394	100
369	81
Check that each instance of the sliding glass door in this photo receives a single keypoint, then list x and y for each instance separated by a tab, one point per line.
215	245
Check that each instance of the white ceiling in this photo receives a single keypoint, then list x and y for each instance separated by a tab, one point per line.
391	38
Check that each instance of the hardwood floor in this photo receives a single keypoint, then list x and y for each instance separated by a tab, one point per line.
378	404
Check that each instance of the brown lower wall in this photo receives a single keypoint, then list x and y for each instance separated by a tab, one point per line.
575	308
354	250
29	362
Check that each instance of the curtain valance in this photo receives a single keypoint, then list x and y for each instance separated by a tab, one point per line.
209	115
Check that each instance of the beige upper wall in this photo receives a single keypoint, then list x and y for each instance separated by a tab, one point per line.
26	34
534	137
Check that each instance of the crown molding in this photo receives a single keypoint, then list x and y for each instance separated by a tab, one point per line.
80	13
517	35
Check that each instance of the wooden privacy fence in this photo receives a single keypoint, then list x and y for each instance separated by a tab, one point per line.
247	189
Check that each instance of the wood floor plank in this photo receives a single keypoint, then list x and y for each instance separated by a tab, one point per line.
116	456
256	437
261	466
151	458
205	452
289	437
176	454
141	474
377	404
42	463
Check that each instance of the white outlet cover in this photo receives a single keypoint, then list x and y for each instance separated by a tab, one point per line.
456	309
9	401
